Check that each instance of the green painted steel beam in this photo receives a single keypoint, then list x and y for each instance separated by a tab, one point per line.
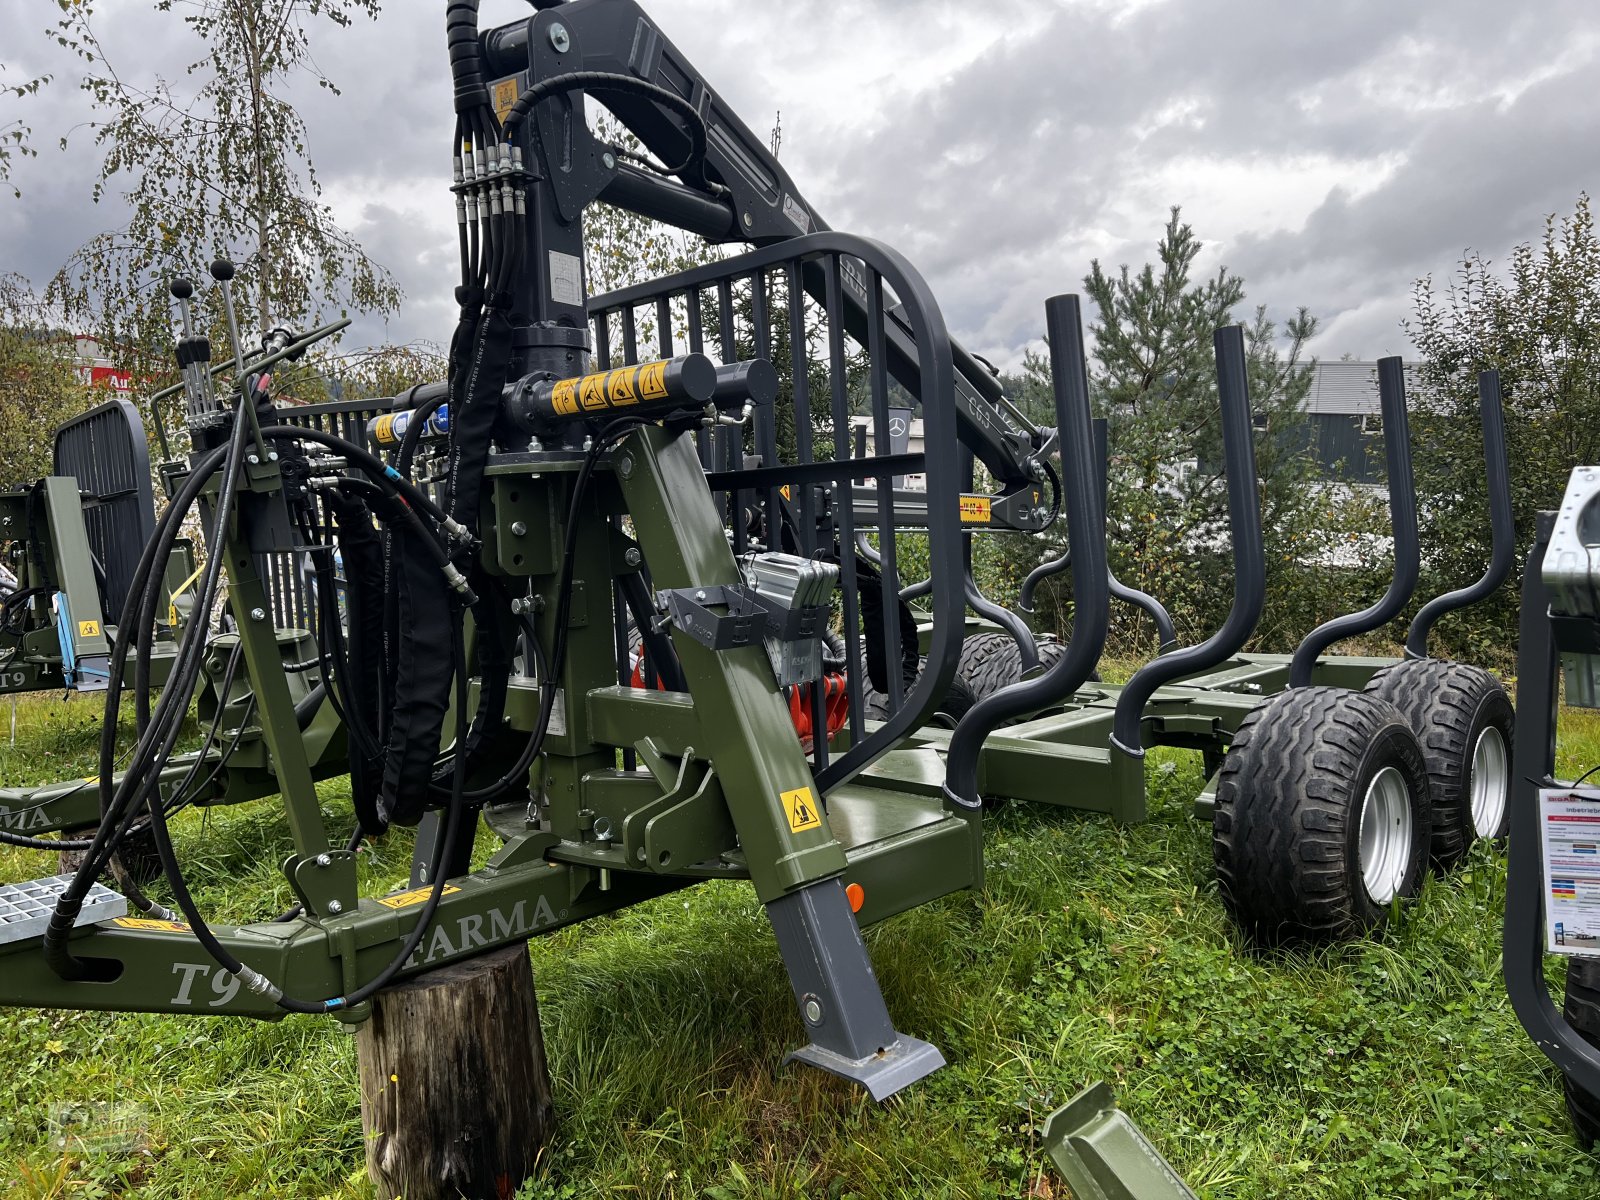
1103	1155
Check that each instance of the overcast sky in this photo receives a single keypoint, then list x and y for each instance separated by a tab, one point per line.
1330	153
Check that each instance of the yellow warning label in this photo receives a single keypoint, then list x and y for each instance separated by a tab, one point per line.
145	925
415	896
802	809
976	510
653	381
88	628
505	95
564	398
592	391
786	491
383	429
619	386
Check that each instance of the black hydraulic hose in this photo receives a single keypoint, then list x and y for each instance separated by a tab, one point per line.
627	85
413	434
557	658
259	983
1403	518
368	463
1249	555
116	802
87	844
1086	531
1502	524
163	729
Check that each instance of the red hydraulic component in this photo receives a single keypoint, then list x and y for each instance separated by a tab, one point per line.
835	702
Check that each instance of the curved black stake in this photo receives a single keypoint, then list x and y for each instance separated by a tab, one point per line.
1086	533
1403	519
1166	633
1249	558
1020	633
1045	570
1502	529
1522	950
908	593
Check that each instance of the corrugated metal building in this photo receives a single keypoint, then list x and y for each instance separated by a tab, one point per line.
1346	423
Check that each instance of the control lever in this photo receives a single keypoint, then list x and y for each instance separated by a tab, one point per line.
194	363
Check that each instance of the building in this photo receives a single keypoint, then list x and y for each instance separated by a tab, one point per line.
1347	421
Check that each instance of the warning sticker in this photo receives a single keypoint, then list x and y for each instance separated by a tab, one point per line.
383	430
653	381
566	278
619	386
88	628
415	896
802	809
976	510
146	925
505	95
564	397
1569	832
592	391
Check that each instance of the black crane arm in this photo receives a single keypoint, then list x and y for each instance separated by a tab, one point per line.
737	192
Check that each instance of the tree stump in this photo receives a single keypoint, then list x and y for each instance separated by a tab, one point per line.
455	1092
137	856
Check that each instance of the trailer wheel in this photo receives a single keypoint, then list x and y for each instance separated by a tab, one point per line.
955	704
1322	818
1582	1012
991	662
1462	717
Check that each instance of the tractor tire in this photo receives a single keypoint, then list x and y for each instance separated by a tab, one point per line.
1051	651
991	662
1322	818
955	704
1463	718
1582	1012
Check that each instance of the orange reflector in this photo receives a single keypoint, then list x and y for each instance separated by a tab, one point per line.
856	896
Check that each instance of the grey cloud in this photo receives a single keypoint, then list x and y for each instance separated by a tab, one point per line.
1003	177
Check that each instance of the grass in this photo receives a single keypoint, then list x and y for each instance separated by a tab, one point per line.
1392	1067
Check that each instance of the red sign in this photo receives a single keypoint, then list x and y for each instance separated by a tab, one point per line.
114	378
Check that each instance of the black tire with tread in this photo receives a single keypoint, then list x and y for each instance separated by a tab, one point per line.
1582	1012
1449	704
989	662
955	704
1286	825
992	661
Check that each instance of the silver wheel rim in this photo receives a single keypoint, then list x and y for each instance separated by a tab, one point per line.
1489	782
1386	833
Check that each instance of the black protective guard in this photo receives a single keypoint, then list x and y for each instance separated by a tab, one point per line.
361	551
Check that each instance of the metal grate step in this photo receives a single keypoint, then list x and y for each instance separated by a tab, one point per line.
25	908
